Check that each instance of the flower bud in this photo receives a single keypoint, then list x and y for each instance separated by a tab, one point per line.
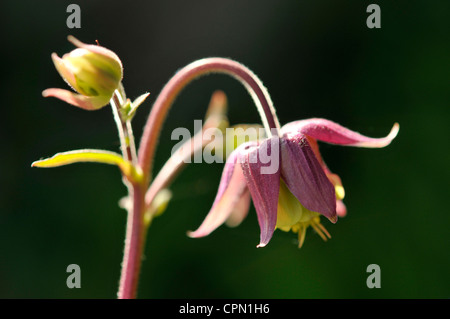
91	70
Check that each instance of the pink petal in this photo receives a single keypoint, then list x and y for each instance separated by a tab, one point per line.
305	177
89	103
232	189
228	170
334	179
330	132
240	211
264	187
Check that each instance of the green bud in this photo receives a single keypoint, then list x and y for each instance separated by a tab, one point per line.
93	71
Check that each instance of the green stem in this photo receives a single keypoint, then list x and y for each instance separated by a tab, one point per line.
124	128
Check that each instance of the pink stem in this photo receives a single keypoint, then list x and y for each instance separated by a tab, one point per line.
134	244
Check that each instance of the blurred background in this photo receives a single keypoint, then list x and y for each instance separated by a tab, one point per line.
317	59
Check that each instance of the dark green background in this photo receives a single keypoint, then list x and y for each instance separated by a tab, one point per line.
318	59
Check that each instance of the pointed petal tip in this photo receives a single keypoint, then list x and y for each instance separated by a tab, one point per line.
265	238
192	234
261	245
333	219
384	141
394	131
55	57
199	233
50	93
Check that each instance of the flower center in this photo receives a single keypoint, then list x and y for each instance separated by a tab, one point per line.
292	215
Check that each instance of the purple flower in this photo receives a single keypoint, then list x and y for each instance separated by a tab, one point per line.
287	179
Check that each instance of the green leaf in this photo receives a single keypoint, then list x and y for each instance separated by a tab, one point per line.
136	104
90	155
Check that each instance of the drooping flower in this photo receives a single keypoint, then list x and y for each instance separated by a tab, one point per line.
294	189
94	72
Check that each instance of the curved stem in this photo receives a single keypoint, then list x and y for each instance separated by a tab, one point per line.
180	80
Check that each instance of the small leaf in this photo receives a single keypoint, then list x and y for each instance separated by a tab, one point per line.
136	103
90	155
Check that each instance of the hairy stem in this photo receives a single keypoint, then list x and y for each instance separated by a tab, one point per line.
134	245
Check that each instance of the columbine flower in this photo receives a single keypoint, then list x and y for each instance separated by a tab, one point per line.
93	71
294	190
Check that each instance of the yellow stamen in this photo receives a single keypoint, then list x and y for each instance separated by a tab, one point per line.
320	230
324	230
301	236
